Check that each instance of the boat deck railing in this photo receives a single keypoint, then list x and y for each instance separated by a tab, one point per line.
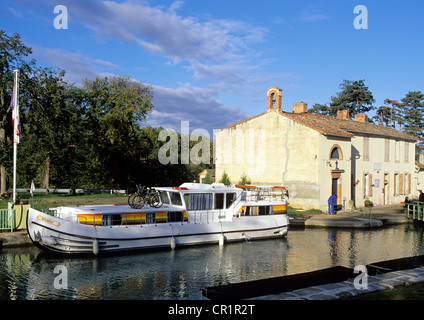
259	193
263	194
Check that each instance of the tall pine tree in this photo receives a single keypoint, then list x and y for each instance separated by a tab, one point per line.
413	105
354	97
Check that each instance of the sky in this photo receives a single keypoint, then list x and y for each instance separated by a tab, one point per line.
211	62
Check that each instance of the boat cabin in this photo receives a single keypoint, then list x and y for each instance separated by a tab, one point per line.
188	203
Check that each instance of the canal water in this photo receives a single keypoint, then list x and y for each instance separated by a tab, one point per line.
26	273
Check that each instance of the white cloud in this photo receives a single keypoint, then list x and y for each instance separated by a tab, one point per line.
219	50
313	14
185	103
76	65
220	53
162	31
193	104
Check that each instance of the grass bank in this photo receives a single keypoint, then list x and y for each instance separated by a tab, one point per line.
297	211
411	292
42	200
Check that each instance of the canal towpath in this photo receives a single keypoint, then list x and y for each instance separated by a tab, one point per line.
376	217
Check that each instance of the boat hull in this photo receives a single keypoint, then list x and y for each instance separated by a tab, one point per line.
59	235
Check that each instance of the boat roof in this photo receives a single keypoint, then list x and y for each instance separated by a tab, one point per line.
109	209
217	187
200	187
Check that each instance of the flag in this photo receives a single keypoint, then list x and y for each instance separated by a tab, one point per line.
31	190
14	105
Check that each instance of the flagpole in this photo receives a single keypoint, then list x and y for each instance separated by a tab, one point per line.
15	128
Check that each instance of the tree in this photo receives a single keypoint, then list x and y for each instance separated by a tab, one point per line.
390	114
208	178
354	96
413	105
225	179
320	109
53	151
114	108
12	56
244	179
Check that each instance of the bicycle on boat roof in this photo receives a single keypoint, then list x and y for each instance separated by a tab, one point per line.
145	196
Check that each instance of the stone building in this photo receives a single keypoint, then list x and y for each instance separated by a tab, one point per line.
316	156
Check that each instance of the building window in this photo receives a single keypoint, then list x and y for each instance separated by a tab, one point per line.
406	152
397	151
336	152
366	148
396	184
408	183
386	150
368	183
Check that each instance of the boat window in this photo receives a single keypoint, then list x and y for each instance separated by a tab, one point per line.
198	201
164	197
260	210
264	210
177	216
251	211
219	200
150	217
230	199
111	220
175	198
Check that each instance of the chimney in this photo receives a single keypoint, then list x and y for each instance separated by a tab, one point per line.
343	114
274	95
421	159
300	107
360	117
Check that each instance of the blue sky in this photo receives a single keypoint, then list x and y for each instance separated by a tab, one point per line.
211	62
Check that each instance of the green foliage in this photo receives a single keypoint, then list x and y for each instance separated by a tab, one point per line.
208	178
244	179
113	110
413	110
89	137
225	179
12	56
320	109
354	97
406	116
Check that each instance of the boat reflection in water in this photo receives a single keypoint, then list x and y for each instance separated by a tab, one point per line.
28	273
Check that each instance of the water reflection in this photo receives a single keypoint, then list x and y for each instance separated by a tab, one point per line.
29	274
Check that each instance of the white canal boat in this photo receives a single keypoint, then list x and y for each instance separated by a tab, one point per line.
191	214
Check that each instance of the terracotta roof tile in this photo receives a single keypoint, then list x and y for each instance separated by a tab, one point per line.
341	127
337	127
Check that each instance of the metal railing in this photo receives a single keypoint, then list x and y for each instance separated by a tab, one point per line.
69	191
6	219
415	210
